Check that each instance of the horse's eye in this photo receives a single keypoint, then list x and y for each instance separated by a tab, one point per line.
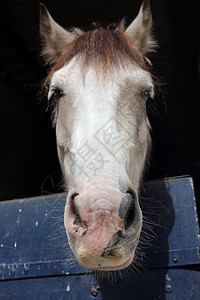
146	93
56	94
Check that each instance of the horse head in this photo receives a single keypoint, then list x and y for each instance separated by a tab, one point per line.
99	84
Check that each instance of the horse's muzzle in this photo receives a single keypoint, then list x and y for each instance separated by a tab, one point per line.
103	231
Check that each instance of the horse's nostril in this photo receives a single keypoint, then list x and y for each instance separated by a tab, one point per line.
130	216
131	194
127	209
75	211
126	202
73	196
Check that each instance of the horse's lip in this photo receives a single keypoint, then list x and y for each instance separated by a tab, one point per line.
122	266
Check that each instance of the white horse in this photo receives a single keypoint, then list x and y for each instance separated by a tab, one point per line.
99	84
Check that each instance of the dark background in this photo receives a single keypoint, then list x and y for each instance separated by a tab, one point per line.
28	159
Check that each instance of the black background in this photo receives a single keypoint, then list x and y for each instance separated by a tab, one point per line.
28	159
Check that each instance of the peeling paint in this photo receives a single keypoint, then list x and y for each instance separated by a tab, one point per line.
26	267
191	182
198	253
68	287
7	234
95	288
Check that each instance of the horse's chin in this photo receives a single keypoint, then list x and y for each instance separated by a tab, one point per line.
106	265
119	267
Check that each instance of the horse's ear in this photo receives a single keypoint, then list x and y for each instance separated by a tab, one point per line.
54	37
140	30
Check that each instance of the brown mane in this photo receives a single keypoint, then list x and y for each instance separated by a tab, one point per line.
102	48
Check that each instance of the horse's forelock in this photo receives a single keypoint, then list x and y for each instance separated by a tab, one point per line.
102	48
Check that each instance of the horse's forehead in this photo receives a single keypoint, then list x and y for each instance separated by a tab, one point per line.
75	76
